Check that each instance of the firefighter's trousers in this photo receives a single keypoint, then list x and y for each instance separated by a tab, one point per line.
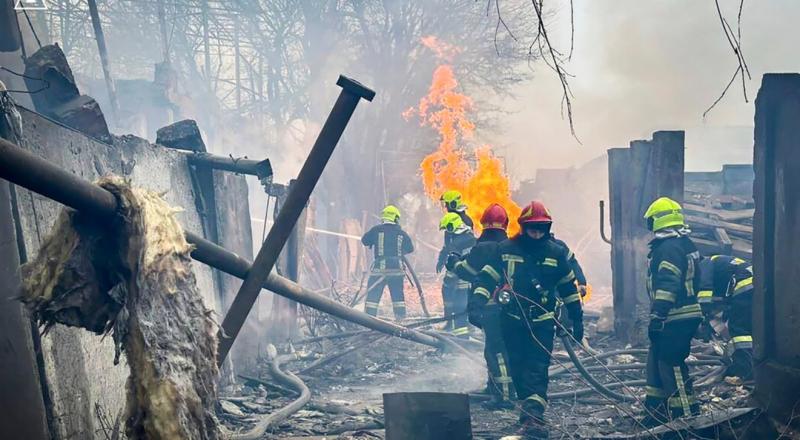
740	327
501	385
375	285
529	346
669	391
455	294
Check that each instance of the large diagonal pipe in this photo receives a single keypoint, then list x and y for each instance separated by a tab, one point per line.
29	171
296	200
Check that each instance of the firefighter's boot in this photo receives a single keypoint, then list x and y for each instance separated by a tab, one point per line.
655	412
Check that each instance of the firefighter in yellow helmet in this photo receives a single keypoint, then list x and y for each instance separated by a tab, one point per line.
389	243
458	238
673	281
451	202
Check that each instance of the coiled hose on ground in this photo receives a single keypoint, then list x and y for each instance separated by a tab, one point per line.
599	387
287	379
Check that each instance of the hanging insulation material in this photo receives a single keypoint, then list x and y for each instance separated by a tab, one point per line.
133	278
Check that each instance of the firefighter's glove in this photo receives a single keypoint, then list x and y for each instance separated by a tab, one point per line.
705	332
452	259
656	327
475	317
583	290
439	266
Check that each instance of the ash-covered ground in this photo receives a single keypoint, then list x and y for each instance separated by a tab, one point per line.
347	391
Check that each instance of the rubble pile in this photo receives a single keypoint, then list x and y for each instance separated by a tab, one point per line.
722	224
346	392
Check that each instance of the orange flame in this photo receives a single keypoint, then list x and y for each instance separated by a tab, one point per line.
447	168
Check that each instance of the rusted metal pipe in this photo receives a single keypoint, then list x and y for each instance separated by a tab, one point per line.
603	222
259	168
27	170
299	193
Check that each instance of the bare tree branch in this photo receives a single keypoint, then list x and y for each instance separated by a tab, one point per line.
735	42
553	58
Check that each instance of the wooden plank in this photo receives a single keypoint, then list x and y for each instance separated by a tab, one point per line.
732	228
720	214
726	246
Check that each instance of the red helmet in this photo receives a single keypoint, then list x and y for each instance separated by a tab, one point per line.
534	212
494	217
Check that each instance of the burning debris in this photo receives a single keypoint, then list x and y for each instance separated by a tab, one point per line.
133	278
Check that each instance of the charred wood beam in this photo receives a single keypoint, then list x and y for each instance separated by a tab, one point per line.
29	171
299	193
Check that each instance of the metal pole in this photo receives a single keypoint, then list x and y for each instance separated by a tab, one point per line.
603	222
352	92
27	170
103	51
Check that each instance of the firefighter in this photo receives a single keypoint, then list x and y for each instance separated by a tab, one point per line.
451	202
673	281
580	277
458	238
726	285
389	243
494	222
529	274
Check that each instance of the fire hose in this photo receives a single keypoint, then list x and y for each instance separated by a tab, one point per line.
599	387
415	281
287	379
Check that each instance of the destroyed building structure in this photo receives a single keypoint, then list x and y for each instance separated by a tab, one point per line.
63	384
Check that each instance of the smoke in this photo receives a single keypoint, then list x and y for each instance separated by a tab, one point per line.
644	66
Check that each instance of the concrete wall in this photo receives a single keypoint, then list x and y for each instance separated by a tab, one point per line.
637	176
776	246
84	385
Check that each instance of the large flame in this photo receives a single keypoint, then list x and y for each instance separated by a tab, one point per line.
481	182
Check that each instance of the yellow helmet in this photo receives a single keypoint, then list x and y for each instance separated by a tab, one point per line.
451	222
390	214
451	199
664	213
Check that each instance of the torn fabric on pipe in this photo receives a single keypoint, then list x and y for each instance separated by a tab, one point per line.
132	277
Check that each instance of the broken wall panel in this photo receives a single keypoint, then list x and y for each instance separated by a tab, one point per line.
84	386
234	233
638	175
776	245
19	380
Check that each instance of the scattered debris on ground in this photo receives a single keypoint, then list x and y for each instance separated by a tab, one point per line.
347	390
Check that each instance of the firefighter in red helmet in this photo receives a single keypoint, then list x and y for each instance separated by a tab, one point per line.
486	315
528	274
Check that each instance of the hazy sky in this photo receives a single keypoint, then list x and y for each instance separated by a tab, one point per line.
642	66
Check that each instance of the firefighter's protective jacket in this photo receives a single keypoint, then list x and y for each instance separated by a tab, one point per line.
462	212
673	276
469	265
459	243
573	262
536	273
389	243
722	277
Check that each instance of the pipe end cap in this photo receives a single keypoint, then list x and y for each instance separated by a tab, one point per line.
355	87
